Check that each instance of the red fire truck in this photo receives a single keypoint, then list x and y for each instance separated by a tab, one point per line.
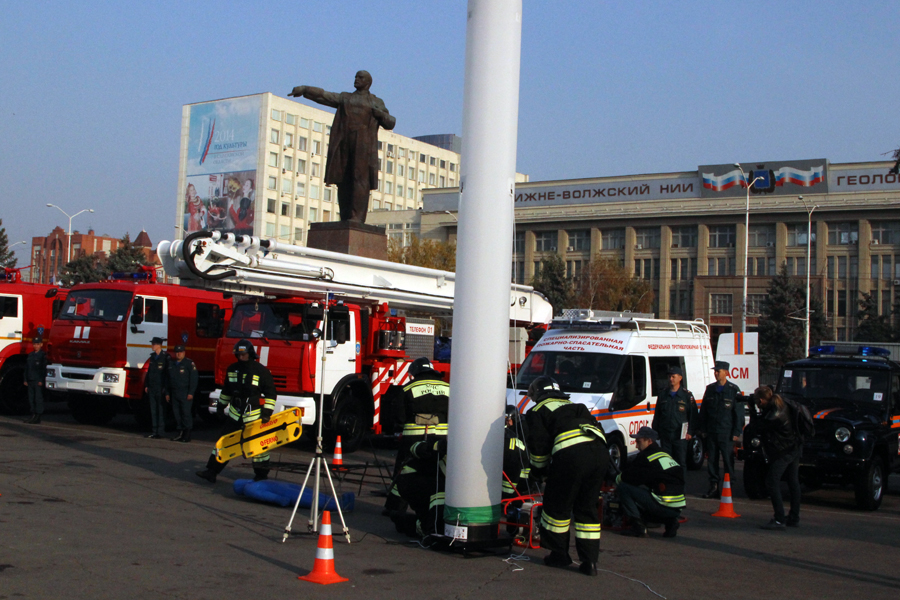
367	342
101	340
26	312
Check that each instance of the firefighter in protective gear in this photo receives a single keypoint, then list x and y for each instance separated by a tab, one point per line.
516	466
651	487
248	395
423	412
421	483
566	444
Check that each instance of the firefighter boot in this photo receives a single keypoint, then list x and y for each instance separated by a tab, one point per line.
185	436
638	529
558	560
713	491
212	469
260	474
207	475
672	526
588	568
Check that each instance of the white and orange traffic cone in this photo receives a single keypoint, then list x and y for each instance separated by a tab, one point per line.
338	461
726	506
323	569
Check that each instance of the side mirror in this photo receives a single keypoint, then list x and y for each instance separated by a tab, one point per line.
316	333
51	293
137	311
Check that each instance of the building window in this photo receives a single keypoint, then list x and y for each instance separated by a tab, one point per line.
288	163
431	179
304	123
886	232
646	237
314	169
433	161
273	182
298	235
270	205
721	266
273	159
761	236
301	188
421	158
399	170
313	193
421	176
646	268
796	234
843	234
400	190
442	181
317	127
389	167
286	186
453	167
755	303
273	136
298	212
276	115
301	166
313	214
290	119
579	240
519	243
409	192
317	147
683	269
327	194
284	232
326	215
721	236
270	230
612	239
721	304
684	236
388	187
573	269
301	143
544	241
518	272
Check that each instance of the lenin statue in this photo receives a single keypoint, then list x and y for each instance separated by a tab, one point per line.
352	161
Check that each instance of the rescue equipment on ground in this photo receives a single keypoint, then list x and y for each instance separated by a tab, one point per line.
257	437
285	494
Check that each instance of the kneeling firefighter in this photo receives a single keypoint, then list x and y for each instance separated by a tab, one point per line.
421	483
567	445
249	395
422	411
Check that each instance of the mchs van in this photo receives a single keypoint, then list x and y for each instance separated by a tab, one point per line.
616	364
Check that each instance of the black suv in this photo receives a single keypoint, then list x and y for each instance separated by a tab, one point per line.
853	395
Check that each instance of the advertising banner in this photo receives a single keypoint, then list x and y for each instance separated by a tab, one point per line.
223	148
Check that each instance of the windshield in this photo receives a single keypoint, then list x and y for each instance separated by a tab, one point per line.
96	305
273	321
574	371
835	384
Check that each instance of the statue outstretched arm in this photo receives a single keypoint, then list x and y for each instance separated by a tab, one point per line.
317	95
384	118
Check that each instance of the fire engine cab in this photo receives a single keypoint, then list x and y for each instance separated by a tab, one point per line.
26	311
366	341
101	340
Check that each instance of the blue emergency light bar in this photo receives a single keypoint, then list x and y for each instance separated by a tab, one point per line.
849	351
144	276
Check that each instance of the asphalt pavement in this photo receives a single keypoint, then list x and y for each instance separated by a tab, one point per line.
103	512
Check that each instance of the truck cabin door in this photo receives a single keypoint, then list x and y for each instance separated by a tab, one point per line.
339	340
10	319
149	319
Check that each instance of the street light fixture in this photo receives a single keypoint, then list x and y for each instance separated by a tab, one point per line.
809	212
69	244
746	245
15	244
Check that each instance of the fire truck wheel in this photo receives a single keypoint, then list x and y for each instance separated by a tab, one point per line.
91	410
13	393
617	453
351	421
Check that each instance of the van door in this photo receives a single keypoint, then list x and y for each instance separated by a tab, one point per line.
149	319
10	319
659	373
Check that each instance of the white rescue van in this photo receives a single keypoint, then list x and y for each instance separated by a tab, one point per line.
616	364
741	352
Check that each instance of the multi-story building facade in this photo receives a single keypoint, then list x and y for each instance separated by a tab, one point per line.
255	164
686	233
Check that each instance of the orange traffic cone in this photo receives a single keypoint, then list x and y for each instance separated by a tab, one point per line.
323	569
726	507
338	456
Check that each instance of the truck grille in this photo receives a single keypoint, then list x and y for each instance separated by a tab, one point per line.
83	376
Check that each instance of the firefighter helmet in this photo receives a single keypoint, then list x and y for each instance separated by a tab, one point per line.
245	346
544	387
422	366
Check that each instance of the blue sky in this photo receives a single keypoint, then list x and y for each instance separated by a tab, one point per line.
91	94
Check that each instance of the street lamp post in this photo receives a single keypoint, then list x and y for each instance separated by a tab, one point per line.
809	212
746	245
69	234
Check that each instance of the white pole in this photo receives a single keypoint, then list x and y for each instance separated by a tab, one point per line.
746	246
483	259
809	212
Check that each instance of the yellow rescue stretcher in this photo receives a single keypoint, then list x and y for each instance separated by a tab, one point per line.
258	437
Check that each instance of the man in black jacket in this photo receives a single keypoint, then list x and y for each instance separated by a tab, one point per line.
567	445
783	447
249	395
675	418
720	425
35	376
651	487
183	380
155	387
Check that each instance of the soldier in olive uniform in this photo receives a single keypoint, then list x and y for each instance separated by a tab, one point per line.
183	379
721	423
675	418
35	376
155	386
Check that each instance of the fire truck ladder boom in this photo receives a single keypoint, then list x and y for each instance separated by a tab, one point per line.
248	265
